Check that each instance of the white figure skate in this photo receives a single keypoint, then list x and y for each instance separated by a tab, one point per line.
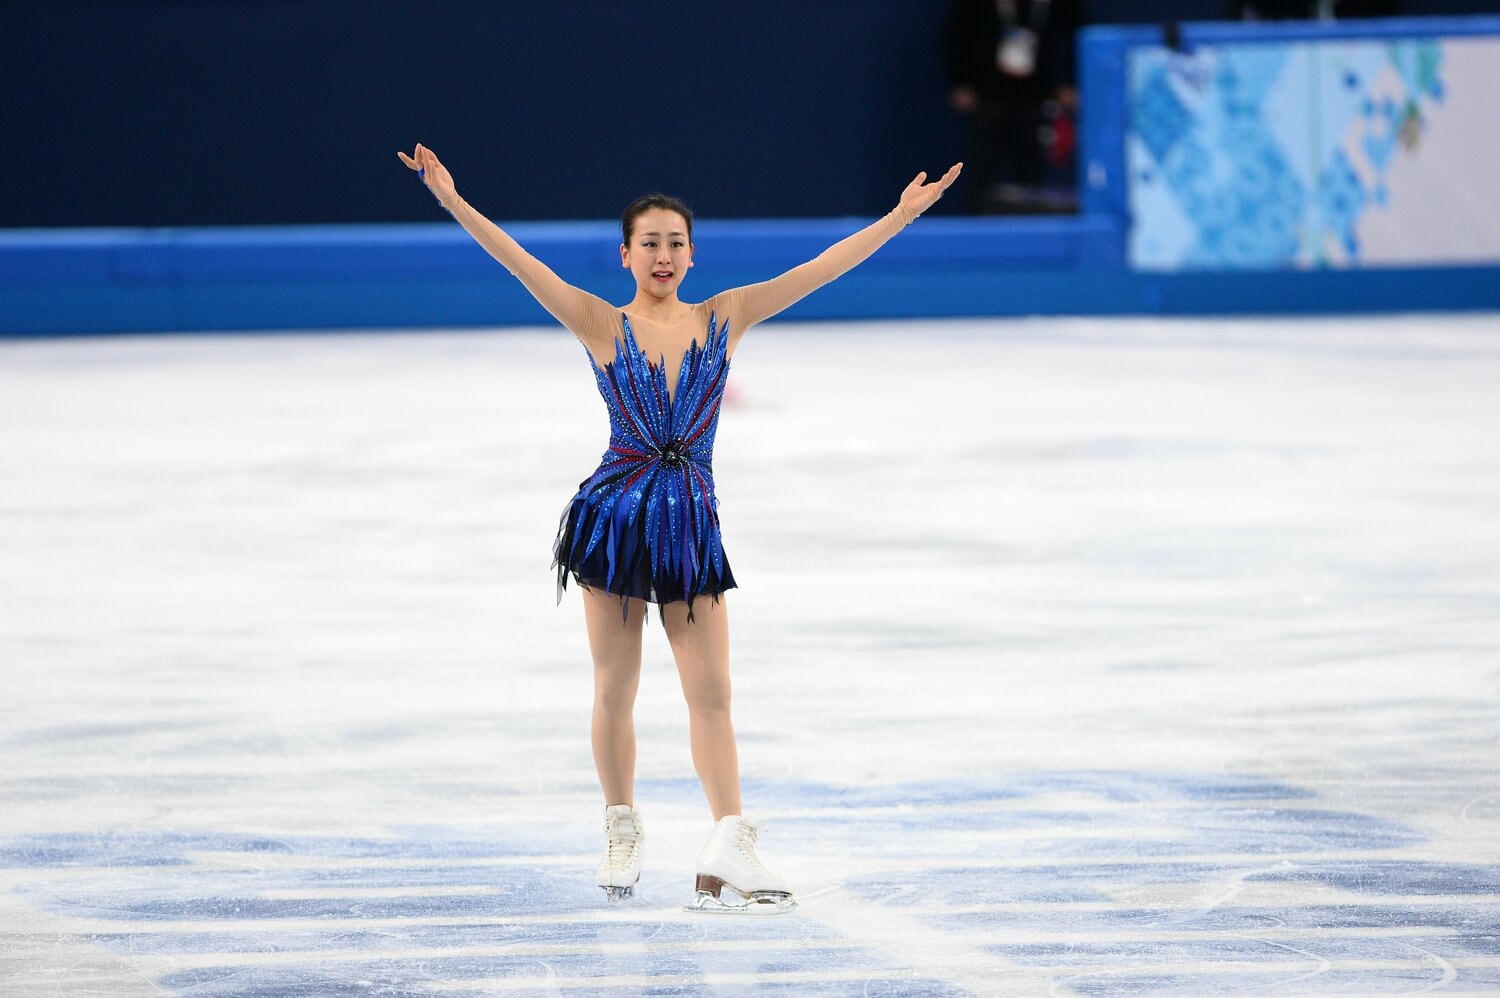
729	860
623	836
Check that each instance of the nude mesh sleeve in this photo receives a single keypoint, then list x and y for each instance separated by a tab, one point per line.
586	316
746	306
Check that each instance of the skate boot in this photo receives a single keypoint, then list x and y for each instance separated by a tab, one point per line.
623	835
729	860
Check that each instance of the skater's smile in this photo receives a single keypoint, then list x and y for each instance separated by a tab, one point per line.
659	252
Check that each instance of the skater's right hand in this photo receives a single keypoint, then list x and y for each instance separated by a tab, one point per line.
920	196
433	173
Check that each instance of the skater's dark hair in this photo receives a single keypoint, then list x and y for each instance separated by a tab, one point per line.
641	205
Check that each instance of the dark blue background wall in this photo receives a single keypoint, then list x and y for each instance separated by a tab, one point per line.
264	111
221	112
232	112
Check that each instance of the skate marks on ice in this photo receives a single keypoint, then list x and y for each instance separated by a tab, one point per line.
422	911
1142	883
255	593
1094	883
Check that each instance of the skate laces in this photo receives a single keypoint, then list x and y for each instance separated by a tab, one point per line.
621	836
745	834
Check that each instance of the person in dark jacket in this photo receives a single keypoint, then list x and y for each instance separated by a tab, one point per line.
1005	60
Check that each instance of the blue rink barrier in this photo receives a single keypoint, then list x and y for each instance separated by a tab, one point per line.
62	282
1292	151
384	276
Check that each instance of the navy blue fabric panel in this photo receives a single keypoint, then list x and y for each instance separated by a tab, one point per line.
239	112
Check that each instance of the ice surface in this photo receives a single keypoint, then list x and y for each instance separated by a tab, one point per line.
1073	657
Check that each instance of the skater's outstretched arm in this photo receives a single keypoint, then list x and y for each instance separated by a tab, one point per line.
744	307
587	316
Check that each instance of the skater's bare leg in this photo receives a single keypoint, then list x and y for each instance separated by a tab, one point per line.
701	649
615	644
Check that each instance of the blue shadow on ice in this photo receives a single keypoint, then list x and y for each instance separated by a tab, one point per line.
1050	868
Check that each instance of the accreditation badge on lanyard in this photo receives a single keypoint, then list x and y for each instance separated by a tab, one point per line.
1015	55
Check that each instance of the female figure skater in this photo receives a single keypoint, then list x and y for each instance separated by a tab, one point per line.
644	527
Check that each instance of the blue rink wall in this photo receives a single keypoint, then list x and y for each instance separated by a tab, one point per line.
70	281
88	281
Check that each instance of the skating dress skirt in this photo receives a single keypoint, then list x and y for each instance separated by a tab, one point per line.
646	522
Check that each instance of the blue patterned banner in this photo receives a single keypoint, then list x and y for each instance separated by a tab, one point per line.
1339	153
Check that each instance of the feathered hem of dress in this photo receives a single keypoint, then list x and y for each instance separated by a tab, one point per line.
633	578
648	598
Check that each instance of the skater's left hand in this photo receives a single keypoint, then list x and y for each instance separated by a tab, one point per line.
918	196
433	173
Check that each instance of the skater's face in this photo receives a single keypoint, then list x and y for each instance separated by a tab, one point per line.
659	252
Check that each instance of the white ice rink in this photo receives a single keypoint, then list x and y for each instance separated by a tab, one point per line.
1071	657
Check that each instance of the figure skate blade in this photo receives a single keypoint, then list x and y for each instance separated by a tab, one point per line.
756	903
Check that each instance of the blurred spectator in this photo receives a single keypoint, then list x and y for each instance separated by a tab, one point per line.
1010	66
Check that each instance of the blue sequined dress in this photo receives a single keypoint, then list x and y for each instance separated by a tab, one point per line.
646	523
